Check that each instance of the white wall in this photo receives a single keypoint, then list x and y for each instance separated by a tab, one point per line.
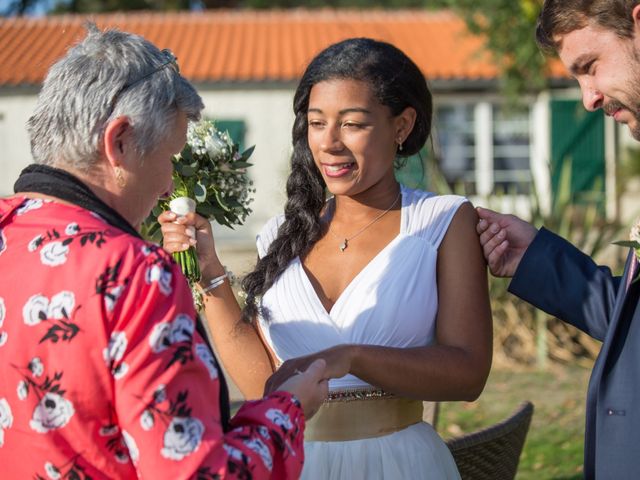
15	153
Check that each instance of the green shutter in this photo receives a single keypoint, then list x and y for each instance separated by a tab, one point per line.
236	128
577	136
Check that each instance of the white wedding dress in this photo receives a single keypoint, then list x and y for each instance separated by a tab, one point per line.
393	301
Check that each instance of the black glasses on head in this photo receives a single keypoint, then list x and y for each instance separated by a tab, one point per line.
170	61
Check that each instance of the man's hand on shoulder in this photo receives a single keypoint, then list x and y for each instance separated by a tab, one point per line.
504	239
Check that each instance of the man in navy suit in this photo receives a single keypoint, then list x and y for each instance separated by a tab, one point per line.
599	43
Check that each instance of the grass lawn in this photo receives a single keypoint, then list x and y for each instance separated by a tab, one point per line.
554	444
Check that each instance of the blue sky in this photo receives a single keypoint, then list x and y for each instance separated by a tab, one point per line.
40	9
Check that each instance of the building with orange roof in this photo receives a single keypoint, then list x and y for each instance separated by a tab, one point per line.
246	63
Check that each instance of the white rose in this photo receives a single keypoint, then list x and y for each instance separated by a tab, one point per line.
3	242
182	205
61	305
52	412
182	437
182	329
72	229
54	254
111	297
120	370
36	367
52	471
205	356
146	420
279	418
259	447
6	417
159	338
134	453
23	390
35	310
116	348
157	273
31	204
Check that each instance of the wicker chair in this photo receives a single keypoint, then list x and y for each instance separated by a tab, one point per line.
493	452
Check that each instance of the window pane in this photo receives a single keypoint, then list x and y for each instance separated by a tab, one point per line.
511	165
455	138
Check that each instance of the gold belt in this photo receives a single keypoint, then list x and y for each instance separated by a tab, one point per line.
346	417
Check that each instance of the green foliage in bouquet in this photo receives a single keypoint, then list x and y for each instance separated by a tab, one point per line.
210	170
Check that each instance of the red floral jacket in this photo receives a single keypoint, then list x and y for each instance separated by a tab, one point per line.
103	372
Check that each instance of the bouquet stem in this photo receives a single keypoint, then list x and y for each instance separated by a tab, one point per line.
188	261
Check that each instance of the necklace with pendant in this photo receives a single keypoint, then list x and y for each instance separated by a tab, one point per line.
345	242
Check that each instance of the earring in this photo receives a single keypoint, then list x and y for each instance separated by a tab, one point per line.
120	178
399	145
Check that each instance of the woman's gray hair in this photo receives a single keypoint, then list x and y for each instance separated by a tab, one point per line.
107	75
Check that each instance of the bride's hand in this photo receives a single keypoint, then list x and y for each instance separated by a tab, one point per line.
181	232
338	360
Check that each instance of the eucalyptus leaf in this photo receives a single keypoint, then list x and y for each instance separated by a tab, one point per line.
200	192
241	164
247	153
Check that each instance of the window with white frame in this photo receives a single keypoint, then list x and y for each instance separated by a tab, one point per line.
484	148
455	140
511	150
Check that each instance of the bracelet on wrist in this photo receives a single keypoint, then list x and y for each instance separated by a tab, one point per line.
214	283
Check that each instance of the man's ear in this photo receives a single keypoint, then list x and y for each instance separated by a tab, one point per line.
635	16
117	140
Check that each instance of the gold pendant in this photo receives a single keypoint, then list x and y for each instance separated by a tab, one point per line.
344	245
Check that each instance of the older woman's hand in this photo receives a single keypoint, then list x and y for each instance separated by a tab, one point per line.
310	387
179	232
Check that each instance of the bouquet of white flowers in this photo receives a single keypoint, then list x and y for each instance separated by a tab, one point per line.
210	178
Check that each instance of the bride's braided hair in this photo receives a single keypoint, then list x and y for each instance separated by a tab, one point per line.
397	83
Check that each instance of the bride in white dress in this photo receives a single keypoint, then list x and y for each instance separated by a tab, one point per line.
387	284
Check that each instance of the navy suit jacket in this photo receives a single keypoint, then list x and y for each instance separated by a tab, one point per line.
556	277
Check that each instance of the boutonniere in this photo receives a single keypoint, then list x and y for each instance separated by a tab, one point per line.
633	242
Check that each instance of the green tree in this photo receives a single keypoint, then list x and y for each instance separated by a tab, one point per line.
509	29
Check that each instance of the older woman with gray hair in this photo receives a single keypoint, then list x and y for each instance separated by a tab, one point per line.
107	372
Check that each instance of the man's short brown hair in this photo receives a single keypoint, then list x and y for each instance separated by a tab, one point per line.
559	17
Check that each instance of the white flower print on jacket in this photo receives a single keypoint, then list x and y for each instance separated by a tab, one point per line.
52	412
279	418
165	334
259	447
184	432
159	269
36	366
161	274
134	453
6	418
3	242
114	352
39	308
182	437
30	204
72	228
52	471
3	313
54	253
206	357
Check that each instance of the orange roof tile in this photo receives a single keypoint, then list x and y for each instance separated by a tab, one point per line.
253	46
